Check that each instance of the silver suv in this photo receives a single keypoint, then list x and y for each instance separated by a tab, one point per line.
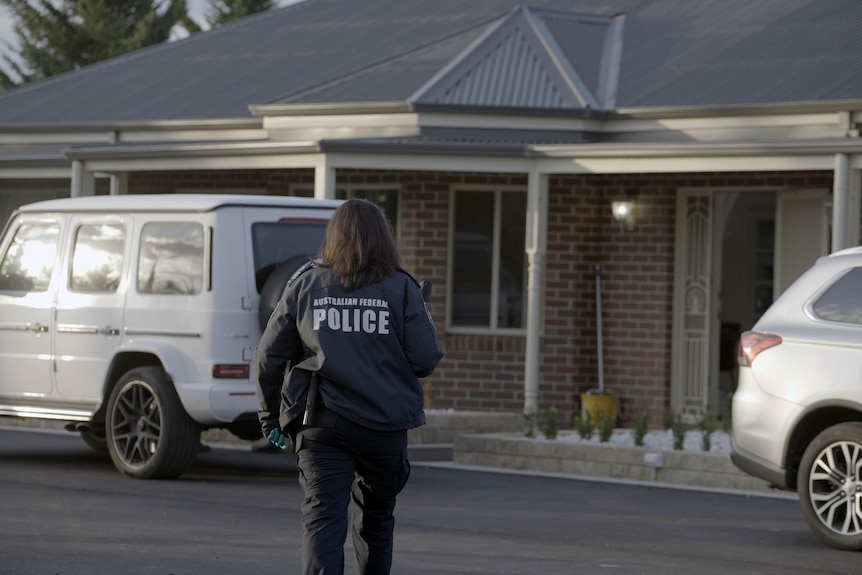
797	411
134	318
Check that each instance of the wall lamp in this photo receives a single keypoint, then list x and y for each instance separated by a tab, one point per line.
623	209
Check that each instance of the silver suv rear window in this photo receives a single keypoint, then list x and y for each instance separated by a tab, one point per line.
843	300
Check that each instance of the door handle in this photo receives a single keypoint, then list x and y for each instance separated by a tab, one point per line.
38	328
108	330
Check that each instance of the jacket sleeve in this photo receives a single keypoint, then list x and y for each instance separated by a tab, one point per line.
279	343
421	345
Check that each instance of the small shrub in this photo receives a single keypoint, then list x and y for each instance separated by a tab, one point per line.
707	426
679	430
605	423
584	425
530	425
549	425
641	423
668	417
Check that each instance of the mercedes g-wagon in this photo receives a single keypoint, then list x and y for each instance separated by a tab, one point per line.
134	318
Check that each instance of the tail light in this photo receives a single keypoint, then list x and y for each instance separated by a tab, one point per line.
751	343
231	371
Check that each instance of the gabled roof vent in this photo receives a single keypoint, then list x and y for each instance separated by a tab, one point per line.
535	59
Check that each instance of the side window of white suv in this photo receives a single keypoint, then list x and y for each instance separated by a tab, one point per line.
843	300
97	260
28	263
171	258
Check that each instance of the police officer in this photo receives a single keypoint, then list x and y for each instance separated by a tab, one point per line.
344	349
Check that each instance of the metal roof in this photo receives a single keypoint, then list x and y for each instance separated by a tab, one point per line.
564	54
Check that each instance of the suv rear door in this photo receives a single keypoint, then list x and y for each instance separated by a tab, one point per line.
90	303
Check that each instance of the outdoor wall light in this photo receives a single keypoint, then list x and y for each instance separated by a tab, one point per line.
623	209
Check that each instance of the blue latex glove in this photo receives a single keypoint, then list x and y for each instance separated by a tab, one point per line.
276	437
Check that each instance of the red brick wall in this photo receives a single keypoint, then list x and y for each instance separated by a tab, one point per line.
486	372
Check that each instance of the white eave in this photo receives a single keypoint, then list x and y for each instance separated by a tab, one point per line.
679	157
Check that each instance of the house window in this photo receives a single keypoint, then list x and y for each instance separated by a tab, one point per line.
488	262
386	199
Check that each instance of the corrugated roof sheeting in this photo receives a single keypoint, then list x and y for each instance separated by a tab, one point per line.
520	63
674	53
684	53
392	80
582	43
511	74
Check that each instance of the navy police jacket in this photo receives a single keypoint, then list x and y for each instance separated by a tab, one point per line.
370	347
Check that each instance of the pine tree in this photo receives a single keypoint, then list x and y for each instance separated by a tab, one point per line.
224	11
66	35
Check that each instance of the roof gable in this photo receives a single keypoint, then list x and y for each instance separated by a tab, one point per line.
534	59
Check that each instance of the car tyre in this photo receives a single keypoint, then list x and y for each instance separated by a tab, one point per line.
150	436
830	486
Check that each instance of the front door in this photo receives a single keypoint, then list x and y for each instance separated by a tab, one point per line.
27	291
736	252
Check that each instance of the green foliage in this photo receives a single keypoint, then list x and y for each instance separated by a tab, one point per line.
549	425
224	11
641	424
585	425
679	429
56	37
668	417
605	423
530	425
707	426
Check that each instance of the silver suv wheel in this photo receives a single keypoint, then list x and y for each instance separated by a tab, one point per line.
830	486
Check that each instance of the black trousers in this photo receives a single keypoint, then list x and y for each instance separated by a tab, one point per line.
339	461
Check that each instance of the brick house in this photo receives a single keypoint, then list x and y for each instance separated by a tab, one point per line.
497	138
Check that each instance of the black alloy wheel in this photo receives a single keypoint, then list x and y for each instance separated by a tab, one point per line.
150	436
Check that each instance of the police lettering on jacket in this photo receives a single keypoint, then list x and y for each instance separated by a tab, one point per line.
351	314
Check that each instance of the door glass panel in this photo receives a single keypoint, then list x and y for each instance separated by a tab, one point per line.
171	259
513	261
473	258
97	260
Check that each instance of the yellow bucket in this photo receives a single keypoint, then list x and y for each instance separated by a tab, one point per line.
595	403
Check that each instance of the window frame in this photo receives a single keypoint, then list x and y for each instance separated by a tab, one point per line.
493	327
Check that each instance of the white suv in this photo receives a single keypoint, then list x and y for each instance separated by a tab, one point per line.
797	411
135	317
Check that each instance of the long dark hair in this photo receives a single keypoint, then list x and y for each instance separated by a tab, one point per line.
358	245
